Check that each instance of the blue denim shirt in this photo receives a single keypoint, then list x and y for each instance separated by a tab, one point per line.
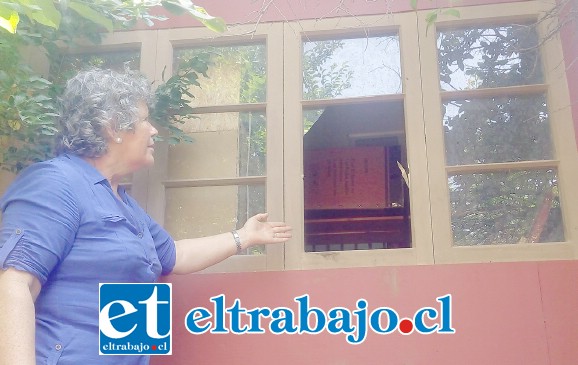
62	223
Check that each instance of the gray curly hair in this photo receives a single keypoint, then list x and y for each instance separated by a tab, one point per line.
94	102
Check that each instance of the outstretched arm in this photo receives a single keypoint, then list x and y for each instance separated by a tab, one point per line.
199	253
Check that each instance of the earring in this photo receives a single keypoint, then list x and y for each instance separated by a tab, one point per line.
118	140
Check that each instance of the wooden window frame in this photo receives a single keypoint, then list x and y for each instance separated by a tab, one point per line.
404	25
270	35
556	90
429	194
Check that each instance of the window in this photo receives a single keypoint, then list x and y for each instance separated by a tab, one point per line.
494	172
215	183
502	203
354	196
381	140
118	60
498	118
353	112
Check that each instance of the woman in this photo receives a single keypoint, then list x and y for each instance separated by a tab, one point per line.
68	225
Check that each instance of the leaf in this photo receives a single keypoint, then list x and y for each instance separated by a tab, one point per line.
213	23
452	12
413	4
14	124
39	79
430	19
40	98
148	22
91	14
173	8
217	25
180	7
19	99
47	14
10	23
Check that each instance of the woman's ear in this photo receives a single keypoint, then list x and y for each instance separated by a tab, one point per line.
113	136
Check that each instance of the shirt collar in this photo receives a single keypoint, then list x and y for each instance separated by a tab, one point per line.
91	173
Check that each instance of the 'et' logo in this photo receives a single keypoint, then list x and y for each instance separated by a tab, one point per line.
135	319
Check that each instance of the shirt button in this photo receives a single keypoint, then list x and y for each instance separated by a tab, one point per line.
140	235
58	347
18	231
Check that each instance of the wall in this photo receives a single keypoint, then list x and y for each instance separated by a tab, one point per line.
503	313
250	11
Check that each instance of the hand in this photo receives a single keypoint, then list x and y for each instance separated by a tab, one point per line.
257	231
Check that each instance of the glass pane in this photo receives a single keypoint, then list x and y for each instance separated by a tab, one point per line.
236	74
204	211
341	68
70	64
497	130
310	117
488	57
354	194
505	208
224	145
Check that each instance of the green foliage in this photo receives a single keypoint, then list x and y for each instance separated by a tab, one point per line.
320	80
9	20
27	109
433	15
40	11
173	97
27	99
106	13
26	115
502	207
187	7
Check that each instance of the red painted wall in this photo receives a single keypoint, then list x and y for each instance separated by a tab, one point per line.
503	313
251	11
